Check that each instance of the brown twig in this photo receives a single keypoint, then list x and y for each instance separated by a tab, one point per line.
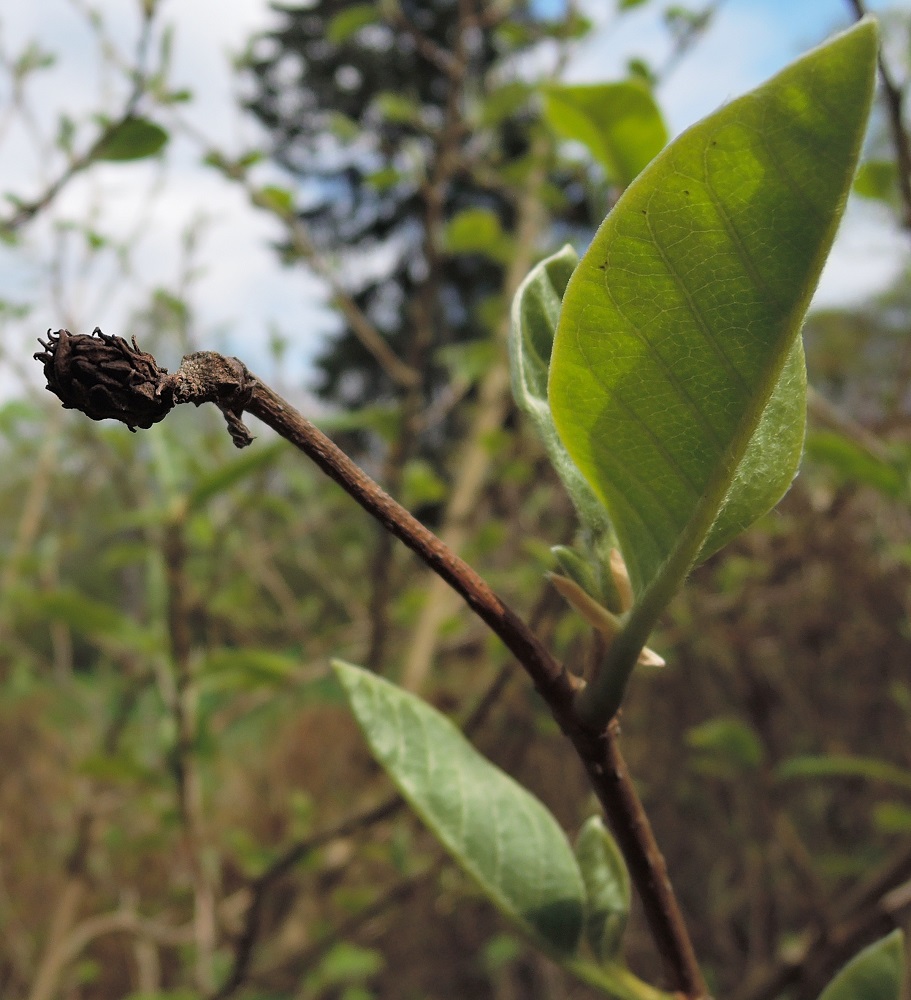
894	99
209	377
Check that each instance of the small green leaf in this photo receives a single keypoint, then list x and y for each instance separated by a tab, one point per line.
467	362
380	418
677	380
225	476
477	230
398	109
729	739
349	22
131	139
503	102
856	464
342	126
501	950
873	974
344	963
493	828
421	484
810	767
893	818
95	619
607	889
619	123
277	199
535	311
877	179
384	179
246	669
578	570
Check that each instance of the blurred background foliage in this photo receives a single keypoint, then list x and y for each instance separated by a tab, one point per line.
186	810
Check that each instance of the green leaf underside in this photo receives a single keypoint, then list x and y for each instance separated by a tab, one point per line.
607	888
535	312
619	123
493	828
679	326
873	974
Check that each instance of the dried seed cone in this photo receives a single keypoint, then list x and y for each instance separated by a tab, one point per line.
106	378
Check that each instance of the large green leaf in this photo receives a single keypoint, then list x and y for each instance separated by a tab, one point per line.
493	828
676	344
874	974
620	123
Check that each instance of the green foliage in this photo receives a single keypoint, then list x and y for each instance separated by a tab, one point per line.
877	179
842	766
96	619
276	199
676	342
233	472
607	889
348	22
168	605
345	964
854	463
478	230
874	974
677	380
132	139
731	742
535	312
496	830
619	123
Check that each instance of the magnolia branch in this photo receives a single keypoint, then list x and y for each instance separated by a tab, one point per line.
105	377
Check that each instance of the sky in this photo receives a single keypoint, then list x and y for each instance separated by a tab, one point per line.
240	293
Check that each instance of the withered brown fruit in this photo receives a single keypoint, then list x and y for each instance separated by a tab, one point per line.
105	377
